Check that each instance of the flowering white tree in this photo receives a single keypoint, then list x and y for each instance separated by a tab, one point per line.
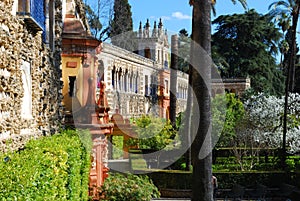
266	114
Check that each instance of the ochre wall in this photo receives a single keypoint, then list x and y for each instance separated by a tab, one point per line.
71	66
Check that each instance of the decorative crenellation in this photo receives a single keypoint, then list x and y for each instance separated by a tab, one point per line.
153	44
158	32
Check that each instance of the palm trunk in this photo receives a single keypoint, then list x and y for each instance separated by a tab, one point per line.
289	84
293	49
201	147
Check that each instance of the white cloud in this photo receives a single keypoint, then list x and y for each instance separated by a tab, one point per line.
165	18
181	16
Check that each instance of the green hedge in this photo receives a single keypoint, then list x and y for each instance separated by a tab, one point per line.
250	179
171	179
128	187
50	168
166	179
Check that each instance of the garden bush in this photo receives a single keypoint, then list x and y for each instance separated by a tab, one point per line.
50	168
128	187
175	179
153	133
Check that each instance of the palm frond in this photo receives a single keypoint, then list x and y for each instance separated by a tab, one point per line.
284	4
214	2
243	3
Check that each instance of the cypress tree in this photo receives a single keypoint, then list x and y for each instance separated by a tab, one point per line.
121	29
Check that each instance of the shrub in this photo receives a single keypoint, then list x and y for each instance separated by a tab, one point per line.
128	187
50	168
174	179
153	133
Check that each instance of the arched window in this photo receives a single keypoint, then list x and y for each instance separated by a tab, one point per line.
131	82
119	79
166	86
113	80
146	85
126	80
100	73
136	84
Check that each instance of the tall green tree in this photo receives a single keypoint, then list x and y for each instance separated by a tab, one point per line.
234	113
121	27
246	46
286	13
184	42
290	8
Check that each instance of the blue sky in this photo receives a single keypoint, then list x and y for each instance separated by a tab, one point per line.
176	14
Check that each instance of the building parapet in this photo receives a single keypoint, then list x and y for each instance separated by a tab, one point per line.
236	80
125	54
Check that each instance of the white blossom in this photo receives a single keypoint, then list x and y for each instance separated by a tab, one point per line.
266	114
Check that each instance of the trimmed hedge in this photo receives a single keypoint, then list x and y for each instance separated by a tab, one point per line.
166	179
250	179
50	168
171	179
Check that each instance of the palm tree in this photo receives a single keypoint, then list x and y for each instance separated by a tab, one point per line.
200	74
243	2
286	12
289	8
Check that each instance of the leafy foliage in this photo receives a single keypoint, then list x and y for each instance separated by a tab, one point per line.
227	119
117	142
184	42
50	168
128	187
286	15
244	45
153	133
256	125
183	180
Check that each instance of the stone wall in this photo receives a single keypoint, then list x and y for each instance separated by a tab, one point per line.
19	45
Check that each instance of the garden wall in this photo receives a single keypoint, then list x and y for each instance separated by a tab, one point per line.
30	89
